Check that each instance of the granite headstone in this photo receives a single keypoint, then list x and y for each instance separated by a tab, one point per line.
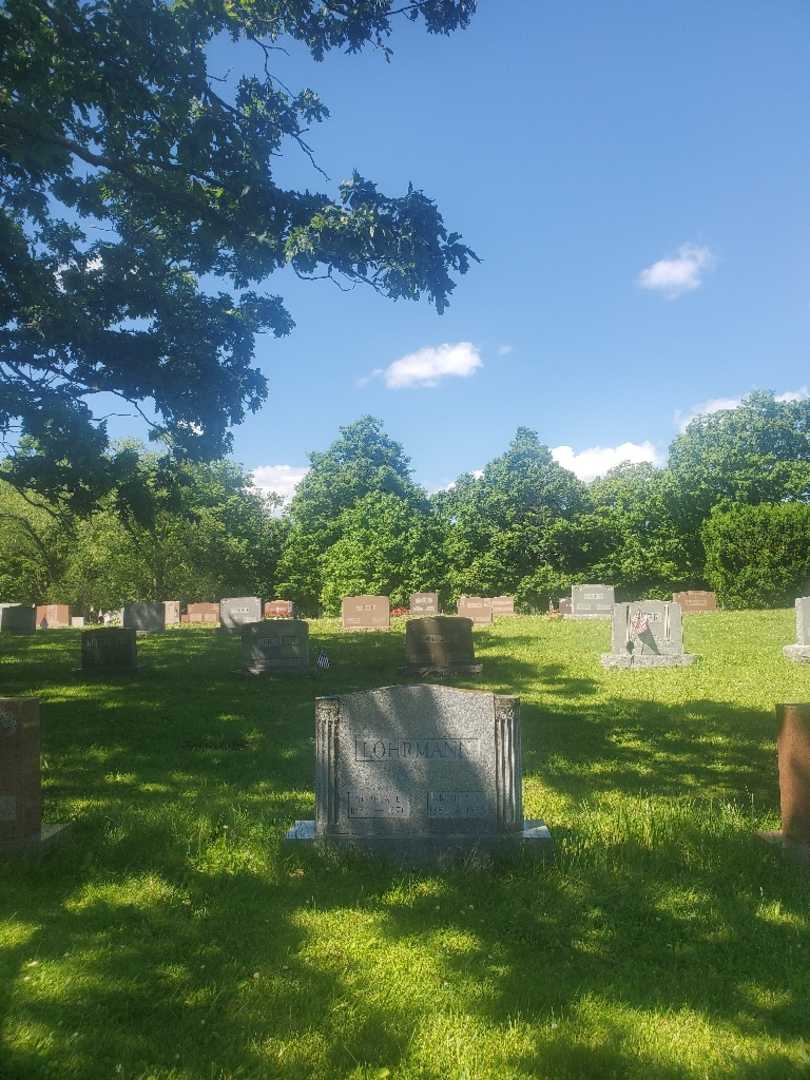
501	605
236	611
647	633
365	613
441	644
695	601
275	646
801	650
172	612
148	617
111	649
201	613
279	609
475	608
564	606
18	618
591	602
424	603
53	616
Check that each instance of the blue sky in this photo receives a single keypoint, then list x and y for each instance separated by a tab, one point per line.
635	178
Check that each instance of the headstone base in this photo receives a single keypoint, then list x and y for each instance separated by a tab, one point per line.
794	849
797	653
36	845
535	839
422	671
589	618
622	660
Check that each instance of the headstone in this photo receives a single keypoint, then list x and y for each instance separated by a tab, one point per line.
109	649
475	608
147	617
53	616
18	619
279	609
501	605
201	613
424	603
442	644
172	612
800	652
275	646
591	601
564	606
21	827
793	757
695	601
365	613
419	771
647	633
77	621
236	611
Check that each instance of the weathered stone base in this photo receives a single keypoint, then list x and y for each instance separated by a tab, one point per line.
794	849
651	660
453	669
535	839
798	653
36	845
607	615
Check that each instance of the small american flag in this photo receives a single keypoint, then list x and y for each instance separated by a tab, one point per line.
323	660
639	623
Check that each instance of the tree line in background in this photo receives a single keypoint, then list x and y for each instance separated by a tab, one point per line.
730	510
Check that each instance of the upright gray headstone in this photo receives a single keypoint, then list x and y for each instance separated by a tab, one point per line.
801	650
647	633
424	603
475	608
442	644
591	602
277	645
147	617
236	611
501	605
18	618
365	613
111	649
419	771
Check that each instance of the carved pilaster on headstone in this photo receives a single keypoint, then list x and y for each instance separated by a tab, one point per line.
327	734
508	765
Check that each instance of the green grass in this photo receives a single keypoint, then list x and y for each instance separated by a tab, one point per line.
170	938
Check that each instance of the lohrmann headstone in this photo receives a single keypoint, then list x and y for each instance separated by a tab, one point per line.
564	606
201	613
591	601
441	644
695	601
419	771
501	605
21	827
424	603
144	616
279	609
275	646
801	650
171	610
111	649
647	633
365	613
236	611
18	618
53	616
475	608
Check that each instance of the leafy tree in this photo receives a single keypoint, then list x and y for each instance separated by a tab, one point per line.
140	213
34	548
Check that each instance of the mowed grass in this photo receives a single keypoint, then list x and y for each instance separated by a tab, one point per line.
170	937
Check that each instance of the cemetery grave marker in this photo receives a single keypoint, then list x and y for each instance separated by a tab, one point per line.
77	621
501	605
695	601
279	609
147	617
109	649
53	616
18	618
441	644
365	613
793	757
275	646
419	772
201	613
475	608
424	603
172	612
647	633
564	606
591	601
236	611
800	652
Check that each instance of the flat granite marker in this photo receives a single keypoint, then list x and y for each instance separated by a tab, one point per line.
417	772
424	603
591	602
800	652
695	601
53	617
475	608
236	611
18	618
275	646
109	650
440	644
147	617
21	828
365	612
279	609
647	633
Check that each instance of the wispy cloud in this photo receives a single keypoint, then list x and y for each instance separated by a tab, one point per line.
680	273
684	417
281	479
597	460
428	367
504	350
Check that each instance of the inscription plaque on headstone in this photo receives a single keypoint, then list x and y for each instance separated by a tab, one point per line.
424	603
201	613
441	644
53	616
18	618
647	633
365	613
279	609
419	771
109	649
801	650
501	605
145	616
695	601
172	612
236	611
591	601
276	645
475	608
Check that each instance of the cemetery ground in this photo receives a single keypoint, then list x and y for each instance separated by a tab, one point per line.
170	936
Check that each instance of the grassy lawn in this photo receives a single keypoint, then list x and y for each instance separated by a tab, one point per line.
170	938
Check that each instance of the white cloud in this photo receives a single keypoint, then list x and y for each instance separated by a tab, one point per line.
802	394
703	408
427	367
282	479
597	460
679	274
504	350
